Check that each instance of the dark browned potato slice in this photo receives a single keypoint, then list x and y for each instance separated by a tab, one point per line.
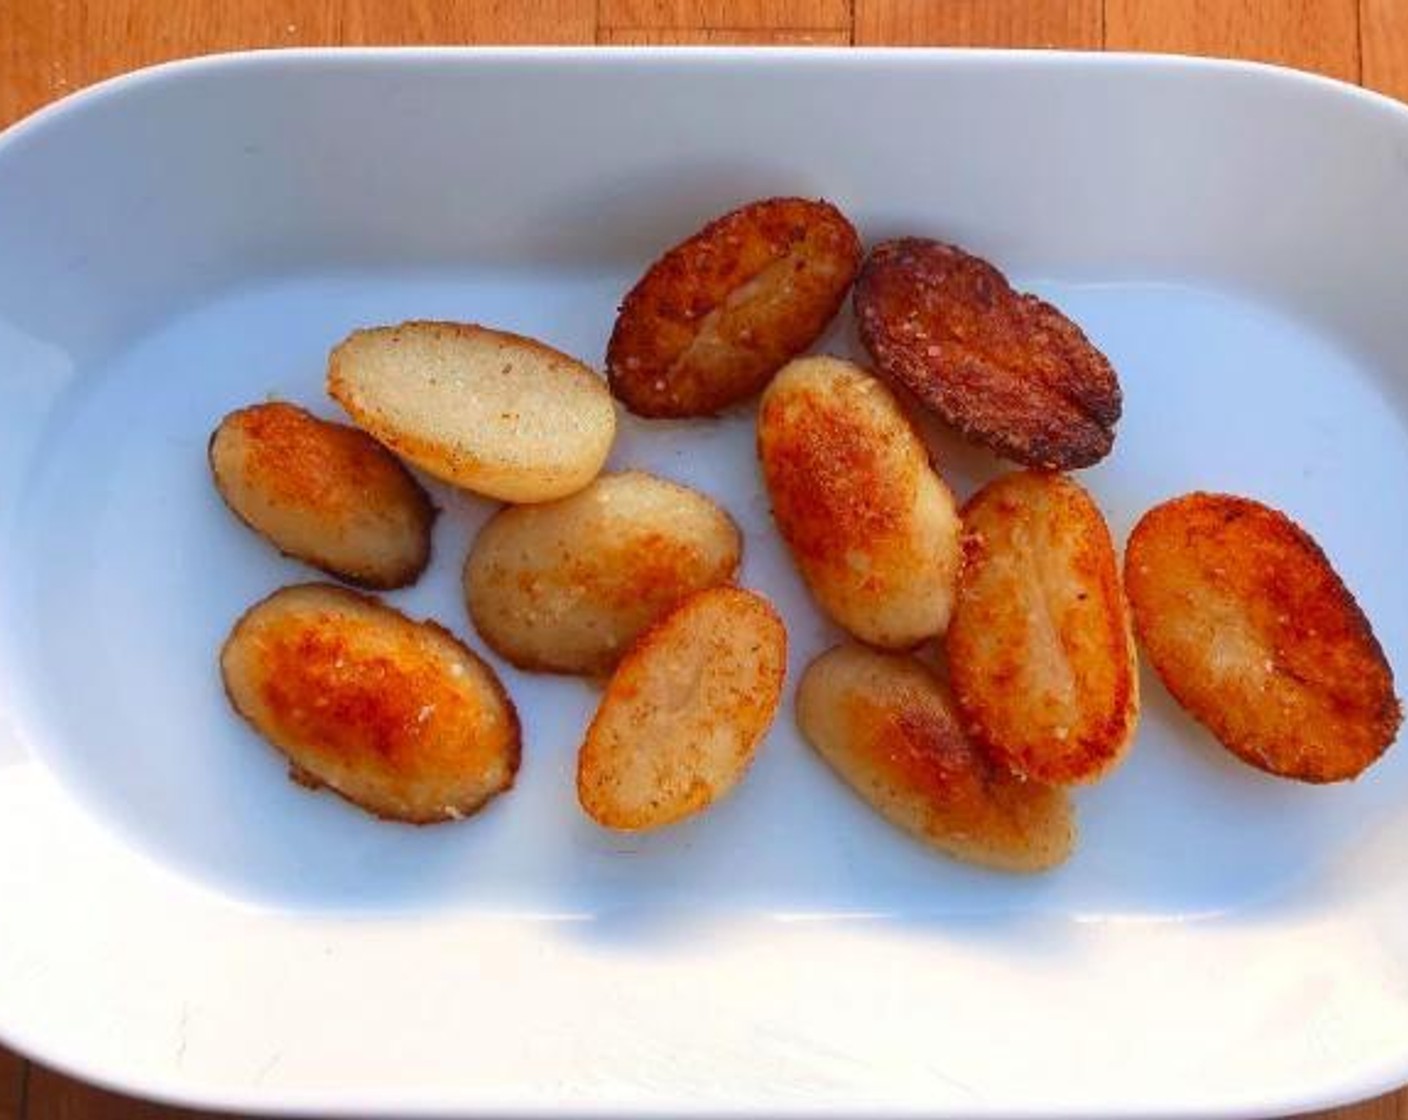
1040	653
396	716
1004	368
491	411
870	523
567	586
684	711
886	727
1257	637
719	314
323	493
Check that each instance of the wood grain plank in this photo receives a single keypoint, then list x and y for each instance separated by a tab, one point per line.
1073	24
1320	35
773	15
755	36
52	1096
1392	1107
1383	35
51	47
12	1075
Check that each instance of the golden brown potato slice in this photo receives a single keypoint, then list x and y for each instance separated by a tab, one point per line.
1040	653
870	523
323	493
487	410
567	586
885	725
719	314
684	711
1004	368
1256	636
396	716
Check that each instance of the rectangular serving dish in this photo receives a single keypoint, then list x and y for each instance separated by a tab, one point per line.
180	921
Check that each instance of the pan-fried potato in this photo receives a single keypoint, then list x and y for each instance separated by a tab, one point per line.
871	525
1040	653
486	410
1258	638
567	586
719	314
885	725
1006	369
684	711
323	493
396	716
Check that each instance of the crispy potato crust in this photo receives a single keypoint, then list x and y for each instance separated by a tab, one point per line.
567	586
1006	369
490	411
684	712
323	493
1254	633
1040	653
396	716
870	523
714	318
885	725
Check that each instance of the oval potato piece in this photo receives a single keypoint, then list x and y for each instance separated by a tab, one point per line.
884	724
1040	653
1254	633
684	712
567	586
396	716
486	410
715	317
870	523
323	493
1006	369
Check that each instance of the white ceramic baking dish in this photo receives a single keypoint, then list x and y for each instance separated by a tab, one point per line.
179	920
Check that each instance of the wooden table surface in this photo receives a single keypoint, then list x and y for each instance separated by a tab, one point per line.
51	47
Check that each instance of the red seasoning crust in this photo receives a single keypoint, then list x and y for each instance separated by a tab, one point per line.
1258	638
1006	369
714	318
396	716
1039	649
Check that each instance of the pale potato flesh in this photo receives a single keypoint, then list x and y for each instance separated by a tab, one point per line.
567	586
684	712
396	716
486	410
1040	652
323	493
869	522
883	722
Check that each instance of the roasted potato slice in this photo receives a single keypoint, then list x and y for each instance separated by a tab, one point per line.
885	725
396	716
684	711
486	410
715	317
1006	369
1040	654
567	586
1257	637
323	493
871	525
